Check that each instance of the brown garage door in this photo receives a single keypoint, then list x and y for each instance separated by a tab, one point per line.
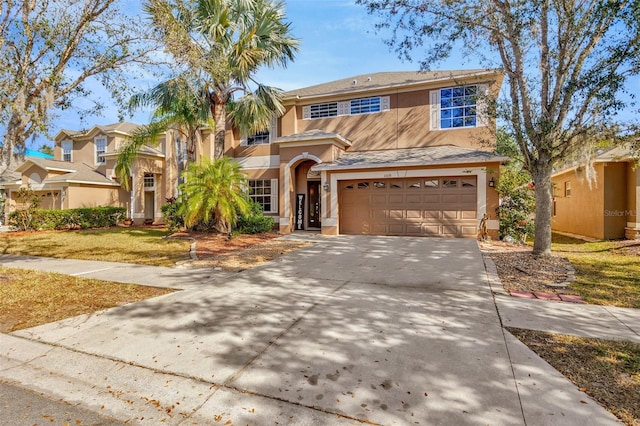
439	206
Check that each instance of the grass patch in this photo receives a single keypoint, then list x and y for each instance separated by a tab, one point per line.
143	246
607	272
608	371
30	298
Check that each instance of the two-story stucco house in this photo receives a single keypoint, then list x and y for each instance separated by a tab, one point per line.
392	153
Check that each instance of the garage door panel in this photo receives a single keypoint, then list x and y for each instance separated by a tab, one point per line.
450	214
396	214
396	229
379	214
414	214
469	214
467	198
468	231
431	199
443	206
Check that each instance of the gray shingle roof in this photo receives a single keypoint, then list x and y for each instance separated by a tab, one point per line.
74	172
84	173
382	80
435	155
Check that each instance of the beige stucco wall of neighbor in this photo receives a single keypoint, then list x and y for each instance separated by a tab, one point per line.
615	205
633	192
583	212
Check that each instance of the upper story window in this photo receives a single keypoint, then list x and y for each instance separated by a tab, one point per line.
263	137
323	110
67	147
101	149
260	138
351	107
458	107
365	106
149	181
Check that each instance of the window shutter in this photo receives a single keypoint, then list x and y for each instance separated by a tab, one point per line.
274	196
385	103
306	113
344	108
273	130
434	101
482	106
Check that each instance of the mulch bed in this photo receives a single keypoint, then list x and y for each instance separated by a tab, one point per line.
520	271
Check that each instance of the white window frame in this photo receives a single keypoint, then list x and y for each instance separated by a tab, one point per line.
273	195
482	92
69	144
146	178
99	158
269	133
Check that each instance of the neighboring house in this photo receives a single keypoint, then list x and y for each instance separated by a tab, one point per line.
392	153
605	208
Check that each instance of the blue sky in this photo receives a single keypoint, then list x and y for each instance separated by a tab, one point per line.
338	41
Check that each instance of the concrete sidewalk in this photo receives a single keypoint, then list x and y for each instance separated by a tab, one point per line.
352	329
602	322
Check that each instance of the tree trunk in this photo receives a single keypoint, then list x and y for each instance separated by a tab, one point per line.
14	136
220	118
544	207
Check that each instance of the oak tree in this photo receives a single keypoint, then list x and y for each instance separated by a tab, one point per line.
566	64
52	52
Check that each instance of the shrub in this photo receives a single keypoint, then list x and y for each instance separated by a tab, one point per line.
517	204
24	218
254	222
81	218
171	214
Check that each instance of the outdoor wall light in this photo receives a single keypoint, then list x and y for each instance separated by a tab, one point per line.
492	182
325	186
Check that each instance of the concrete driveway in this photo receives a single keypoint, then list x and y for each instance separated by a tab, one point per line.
384	330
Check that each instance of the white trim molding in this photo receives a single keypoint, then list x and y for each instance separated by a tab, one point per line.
259	162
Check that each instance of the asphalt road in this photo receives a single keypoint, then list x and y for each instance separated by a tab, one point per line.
22	407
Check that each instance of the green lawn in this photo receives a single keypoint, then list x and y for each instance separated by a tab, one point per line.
607	272
131	245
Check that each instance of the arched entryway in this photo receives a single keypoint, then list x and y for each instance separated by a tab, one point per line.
302	209
307	197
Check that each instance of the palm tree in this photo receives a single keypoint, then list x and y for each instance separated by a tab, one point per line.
179	106
220	45
214	191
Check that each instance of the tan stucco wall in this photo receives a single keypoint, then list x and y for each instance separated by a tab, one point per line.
94	196
615	211
583	212
633	194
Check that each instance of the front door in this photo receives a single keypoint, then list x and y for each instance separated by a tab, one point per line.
314	204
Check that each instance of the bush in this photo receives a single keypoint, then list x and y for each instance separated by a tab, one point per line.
255	222
24	218
517	204
81	218
171	214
